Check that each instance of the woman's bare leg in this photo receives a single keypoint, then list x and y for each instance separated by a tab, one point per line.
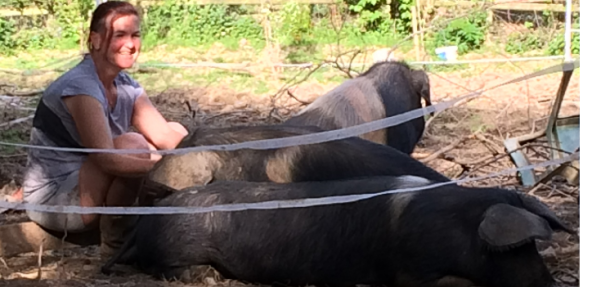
98	188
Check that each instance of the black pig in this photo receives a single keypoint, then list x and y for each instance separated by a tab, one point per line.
441	236
384	90
340	159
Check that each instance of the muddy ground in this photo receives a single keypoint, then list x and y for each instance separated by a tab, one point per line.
473	132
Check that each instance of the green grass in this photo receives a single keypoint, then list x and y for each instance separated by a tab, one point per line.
13	135
229	50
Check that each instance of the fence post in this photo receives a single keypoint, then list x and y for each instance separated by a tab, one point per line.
414	30
567	36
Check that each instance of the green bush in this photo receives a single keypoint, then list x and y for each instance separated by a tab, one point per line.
299	28
197	24
465	33
292	24
7	31
33	38
371	15
402	16
518	43
557	44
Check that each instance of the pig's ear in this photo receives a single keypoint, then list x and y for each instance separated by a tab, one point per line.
505	226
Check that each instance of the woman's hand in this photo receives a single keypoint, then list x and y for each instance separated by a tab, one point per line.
89	116
149	122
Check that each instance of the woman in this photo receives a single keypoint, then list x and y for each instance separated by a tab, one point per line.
93	106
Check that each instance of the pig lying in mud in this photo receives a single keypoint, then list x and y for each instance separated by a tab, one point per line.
339	159
441	236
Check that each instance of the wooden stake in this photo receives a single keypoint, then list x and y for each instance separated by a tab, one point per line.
489	24
415	36
420	16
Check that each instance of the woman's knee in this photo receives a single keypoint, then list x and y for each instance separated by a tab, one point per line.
132	140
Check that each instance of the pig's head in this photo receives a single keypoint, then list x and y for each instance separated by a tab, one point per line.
507	235
420	81
485	236
179	171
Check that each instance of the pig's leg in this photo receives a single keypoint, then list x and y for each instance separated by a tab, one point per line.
406	280
450	281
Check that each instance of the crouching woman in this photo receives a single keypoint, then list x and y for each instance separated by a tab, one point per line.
94	105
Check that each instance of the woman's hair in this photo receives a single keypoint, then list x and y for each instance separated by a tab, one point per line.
103	11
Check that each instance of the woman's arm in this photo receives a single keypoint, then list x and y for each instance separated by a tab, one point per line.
149	122
94	131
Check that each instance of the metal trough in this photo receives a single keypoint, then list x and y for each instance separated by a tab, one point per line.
563	134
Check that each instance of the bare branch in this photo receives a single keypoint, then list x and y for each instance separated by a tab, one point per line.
297	99
448	148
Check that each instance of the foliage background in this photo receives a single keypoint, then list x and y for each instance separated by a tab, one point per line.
299	29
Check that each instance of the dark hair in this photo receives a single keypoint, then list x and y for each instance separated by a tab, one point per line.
103	11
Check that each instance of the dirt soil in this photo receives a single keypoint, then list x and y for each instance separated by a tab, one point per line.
509	111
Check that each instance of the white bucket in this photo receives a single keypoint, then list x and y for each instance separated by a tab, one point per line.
448	53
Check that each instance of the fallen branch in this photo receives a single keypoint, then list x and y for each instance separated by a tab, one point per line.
429	121
11	71
347	70
507	153
297	99
461	102
287	86
474	162
12	155
557	190
4	263
25	94
447	148
494	148
39	262
7	124
536	188
419	155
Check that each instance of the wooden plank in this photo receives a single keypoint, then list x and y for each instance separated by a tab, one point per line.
535	7
527	5
26	237
26	12
147	3
522	1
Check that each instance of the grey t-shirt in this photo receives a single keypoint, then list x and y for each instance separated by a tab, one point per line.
54	126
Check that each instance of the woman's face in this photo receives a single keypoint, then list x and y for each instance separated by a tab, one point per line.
125	44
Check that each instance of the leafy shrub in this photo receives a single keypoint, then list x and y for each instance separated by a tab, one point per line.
292	23
371	15
403	16
465	33
33	38
197	24
7	30
557	44
518	43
